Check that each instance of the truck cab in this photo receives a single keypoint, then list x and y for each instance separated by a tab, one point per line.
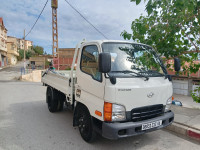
120	89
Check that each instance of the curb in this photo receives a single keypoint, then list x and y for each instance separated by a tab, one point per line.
184	130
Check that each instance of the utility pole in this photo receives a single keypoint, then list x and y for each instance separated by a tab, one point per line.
54	6
24	52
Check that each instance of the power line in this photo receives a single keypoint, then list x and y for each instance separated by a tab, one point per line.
86	20
37	19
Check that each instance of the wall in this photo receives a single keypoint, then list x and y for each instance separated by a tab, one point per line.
0	60
3	46
180	87
66	56
184	86
35	76
3	39
12	59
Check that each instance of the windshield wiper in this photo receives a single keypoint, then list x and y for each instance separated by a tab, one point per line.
153	71
128	71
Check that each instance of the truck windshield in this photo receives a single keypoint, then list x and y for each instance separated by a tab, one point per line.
137	60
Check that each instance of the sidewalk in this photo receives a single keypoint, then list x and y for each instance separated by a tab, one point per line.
187	118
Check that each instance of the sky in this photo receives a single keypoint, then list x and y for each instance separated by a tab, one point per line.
111	17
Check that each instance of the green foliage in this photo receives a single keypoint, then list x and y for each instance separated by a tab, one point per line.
28	54
38	50
68	68
35	50
172	28
47	63
195	96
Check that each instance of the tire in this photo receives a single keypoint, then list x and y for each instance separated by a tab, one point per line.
52	102
85	124
61	98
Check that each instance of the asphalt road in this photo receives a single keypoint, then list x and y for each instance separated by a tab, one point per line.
26	123
11	73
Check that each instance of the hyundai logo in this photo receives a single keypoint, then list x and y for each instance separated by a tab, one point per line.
150	95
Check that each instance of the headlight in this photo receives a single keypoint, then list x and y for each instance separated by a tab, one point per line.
168	104
114	112
118	112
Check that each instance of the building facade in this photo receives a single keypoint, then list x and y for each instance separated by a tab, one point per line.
3	45
66	56
27	44
12	50
37	62
20	43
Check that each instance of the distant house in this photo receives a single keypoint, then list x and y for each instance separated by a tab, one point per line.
66	56
27	45
184	83
13	52
3	46
192	75
37	62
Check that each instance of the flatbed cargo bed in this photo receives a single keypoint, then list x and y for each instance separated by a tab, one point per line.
58	80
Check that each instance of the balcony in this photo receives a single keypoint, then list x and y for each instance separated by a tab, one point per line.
3	48
14	52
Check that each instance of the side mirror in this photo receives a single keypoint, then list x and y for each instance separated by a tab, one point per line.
177	64
104	62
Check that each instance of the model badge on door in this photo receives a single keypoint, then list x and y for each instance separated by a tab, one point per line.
150	95
78	93
124	90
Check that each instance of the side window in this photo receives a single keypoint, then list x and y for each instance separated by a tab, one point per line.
89	61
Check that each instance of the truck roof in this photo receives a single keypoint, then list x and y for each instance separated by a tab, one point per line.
113	41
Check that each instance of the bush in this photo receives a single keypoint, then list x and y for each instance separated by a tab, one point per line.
68	68
195	96
47	64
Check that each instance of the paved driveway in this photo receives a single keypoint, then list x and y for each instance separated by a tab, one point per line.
26	123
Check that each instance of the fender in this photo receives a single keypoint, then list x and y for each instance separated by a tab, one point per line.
76	107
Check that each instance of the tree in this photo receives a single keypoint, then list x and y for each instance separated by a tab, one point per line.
28	54
38	50
196	95
172	28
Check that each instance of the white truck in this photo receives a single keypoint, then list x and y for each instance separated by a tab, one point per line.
118	89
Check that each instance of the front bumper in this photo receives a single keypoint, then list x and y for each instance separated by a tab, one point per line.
120	130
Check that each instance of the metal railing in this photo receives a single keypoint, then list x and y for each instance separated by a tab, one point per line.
29	70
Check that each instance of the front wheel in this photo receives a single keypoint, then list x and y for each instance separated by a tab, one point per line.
85	124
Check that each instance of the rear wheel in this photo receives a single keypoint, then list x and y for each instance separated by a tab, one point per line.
53	102
61	98
85	124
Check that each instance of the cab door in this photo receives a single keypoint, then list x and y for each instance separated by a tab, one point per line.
90	84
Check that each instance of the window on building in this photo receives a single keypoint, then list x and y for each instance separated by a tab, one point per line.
89	62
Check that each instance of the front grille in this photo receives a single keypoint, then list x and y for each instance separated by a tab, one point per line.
146	112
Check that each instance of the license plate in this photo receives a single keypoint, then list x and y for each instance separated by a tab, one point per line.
151	125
